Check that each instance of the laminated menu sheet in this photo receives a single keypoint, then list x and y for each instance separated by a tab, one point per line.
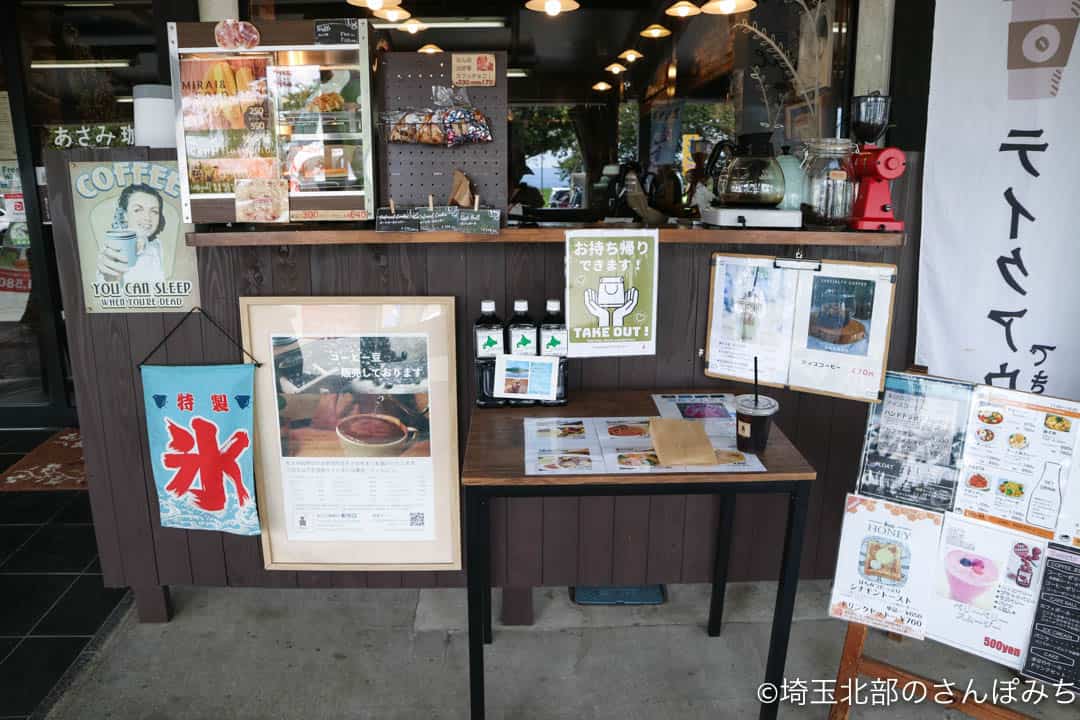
617	445
1054	649
816	327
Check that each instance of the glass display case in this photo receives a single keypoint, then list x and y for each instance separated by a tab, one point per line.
293	106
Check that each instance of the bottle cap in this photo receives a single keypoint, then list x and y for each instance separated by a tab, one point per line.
487	306
521	306
553	306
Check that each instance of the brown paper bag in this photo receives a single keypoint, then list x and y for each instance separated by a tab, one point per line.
681	442
461	193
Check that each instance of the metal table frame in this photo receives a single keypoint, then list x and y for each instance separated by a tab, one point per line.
478	561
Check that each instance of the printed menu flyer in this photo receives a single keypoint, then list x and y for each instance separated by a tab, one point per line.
915	440
1017	462
716	410
821	328
615	445
1054	652
986	586
886	553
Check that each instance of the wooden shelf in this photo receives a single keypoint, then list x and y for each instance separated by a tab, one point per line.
685	236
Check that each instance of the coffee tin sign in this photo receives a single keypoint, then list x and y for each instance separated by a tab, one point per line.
130	235
611	289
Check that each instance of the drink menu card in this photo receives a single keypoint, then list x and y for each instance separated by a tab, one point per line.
887	552
613	446
821	330
1054	652
914	441
985	589
716	410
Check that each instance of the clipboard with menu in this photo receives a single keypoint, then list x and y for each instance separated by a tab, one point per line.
816	326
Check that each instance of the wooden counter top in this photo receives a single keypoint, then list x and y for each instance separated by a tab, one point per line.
495	454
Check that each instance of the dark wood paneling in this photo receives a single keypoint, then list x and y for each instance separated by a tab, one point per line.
595	540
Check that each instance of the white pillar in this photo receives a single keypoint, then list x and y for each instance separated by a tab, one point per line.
214	10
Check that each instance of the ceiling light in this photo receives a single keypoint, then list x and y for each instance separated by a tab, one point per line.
430	49
631	56
655	31
601	86
449	24
125	99
78	64
412	26
615	68
394	14
374	4
517	73
683	9
728	7
552	7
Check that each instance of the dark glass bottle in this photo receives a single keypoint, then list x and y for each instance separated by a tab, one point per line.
489	343
522	338
553	343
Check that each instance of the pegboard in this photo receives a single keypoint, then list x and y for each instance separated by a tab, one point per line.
409	173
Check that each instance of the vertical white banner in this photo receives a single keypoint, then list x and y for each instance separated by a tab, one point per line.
999	299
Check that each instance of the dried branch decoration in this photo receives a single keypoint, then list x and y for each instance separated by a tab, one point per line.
775	48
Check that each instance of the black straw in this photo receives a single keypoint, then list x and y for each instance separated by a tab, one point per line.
755	382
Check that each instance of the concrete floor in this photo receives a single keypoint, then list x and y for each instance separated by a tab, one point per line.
397	654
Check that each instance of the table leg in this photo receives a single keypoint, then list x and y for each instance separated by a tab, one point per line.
476	552
785	594
720	568
484	513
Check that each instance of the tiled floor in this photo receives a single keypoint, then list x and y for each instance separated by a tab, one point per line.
52	599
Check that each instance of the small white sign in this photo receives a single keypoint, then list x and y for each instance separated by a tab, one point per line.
526	377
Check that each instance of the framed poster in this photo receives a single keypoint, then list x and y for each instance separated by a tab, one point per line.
815	326
130	233
355	431
611	290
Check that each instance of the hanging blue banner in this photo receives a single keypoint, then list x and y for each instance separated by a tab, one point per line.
200	426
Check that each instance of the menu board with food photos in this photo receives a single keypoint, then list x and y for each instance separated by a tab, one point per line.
616	446
887	551
1054	649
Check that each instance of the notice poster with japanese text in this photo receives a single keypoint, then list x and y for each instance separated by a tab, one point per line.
1018	463
752	312
131	236
986	585
887	554
611	292
199	427
355	437
1054	649
915	440
820	327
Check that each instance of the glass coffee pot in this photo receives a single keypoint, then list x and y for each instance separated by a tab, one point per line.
830	184
752	177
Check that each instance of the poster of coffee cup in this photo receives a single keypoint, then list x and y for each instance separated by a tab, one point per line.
352	396
841	311
523	377
131	237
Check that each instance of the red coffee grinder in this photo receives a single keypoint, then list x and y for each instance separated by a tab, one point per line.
874	166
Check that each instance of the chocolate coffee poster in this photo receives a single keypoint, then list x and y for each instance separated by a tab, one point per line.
355	436
611	289
130	232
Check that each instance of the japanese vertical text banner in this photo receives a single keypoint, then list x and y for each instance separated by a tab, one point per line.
611	289
998	298
199	425
130	231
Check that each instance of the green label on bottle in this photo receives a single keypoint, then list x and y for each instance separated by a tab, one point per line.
489	343
523	341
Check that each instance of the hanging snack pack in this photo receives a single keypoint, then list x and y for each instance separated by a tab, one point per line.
452	121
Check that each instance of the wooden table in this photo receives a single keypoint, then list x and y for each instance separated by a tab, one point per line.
495	467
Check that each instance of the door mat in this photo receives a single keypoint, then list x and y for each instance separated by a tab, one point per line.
623	595
56	464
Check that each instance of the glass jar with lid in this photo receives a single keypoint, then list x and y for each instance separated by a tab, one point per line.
830	185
